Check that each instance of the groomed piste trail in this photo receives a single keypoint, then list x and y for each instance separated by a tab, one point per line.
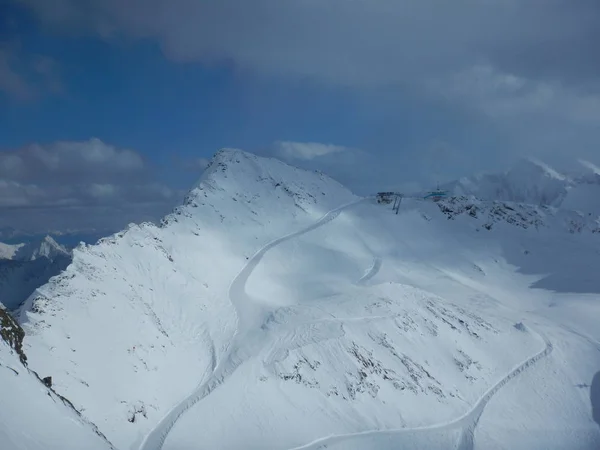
275	309
467	423
247	316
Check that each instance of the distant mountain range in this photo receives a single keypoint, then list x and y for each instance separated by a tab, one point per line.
26	266
534	182
30	251
69	238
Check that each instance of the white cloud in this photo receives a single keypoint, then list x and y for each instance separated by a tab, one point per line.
16	194
500	94
90	160
102	190
306	150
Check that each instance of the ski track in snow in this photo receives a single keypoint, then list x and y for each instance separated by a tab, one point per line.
467	422
234	357
155	439
373	270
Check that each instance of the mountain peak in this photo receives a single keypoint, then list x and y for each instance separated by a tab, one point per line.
46	247
8	251
225	157
51	241
222	162
529	180
248	179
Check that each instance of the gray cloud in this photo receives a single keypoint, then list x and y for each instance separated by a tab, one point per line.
91	161
26	77
358	42
514	77
544	47
307	151
362	171
555	40
11	82
79	184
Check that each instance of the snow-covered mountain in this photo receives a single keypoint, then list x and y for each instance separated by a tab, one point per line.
33	416
9	251
68	237
276	310
45	248
19	279
524	215
25	267
534	182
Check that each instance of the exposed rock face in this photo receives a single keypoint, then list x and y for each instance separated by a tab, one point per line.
12	333
490	213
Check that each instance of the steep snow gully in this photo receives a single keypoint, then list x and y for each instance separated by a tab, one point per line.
249	315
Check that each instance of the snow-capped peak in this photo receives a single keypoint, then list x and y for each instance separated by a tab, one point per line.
50	248
251	179
534	182
8	251
316	313
46	248
167	290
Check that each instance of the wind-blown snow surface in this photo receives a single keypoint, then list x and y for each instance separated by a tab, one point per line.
136	322
275	309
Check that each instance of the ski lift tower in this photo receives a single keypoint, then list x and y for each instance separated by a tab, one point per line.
397	201
389	197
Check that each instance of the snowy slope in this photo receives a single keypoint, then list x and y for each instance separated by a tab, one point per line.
32	417
405	350
274	309
522	215
584	195
151	303
18	279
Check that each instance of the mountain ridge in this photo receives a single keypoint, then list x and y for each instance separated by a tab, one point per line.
343	319
534	182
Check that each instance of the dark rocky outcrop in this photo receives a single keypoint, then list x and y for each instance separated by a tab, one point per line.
12	333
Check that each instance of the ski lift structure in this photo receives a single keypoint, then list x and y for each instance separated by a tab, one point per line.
390	197
436	195
386	197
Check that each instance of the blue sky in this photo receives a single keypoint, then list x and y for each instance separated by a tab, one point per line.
405	95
